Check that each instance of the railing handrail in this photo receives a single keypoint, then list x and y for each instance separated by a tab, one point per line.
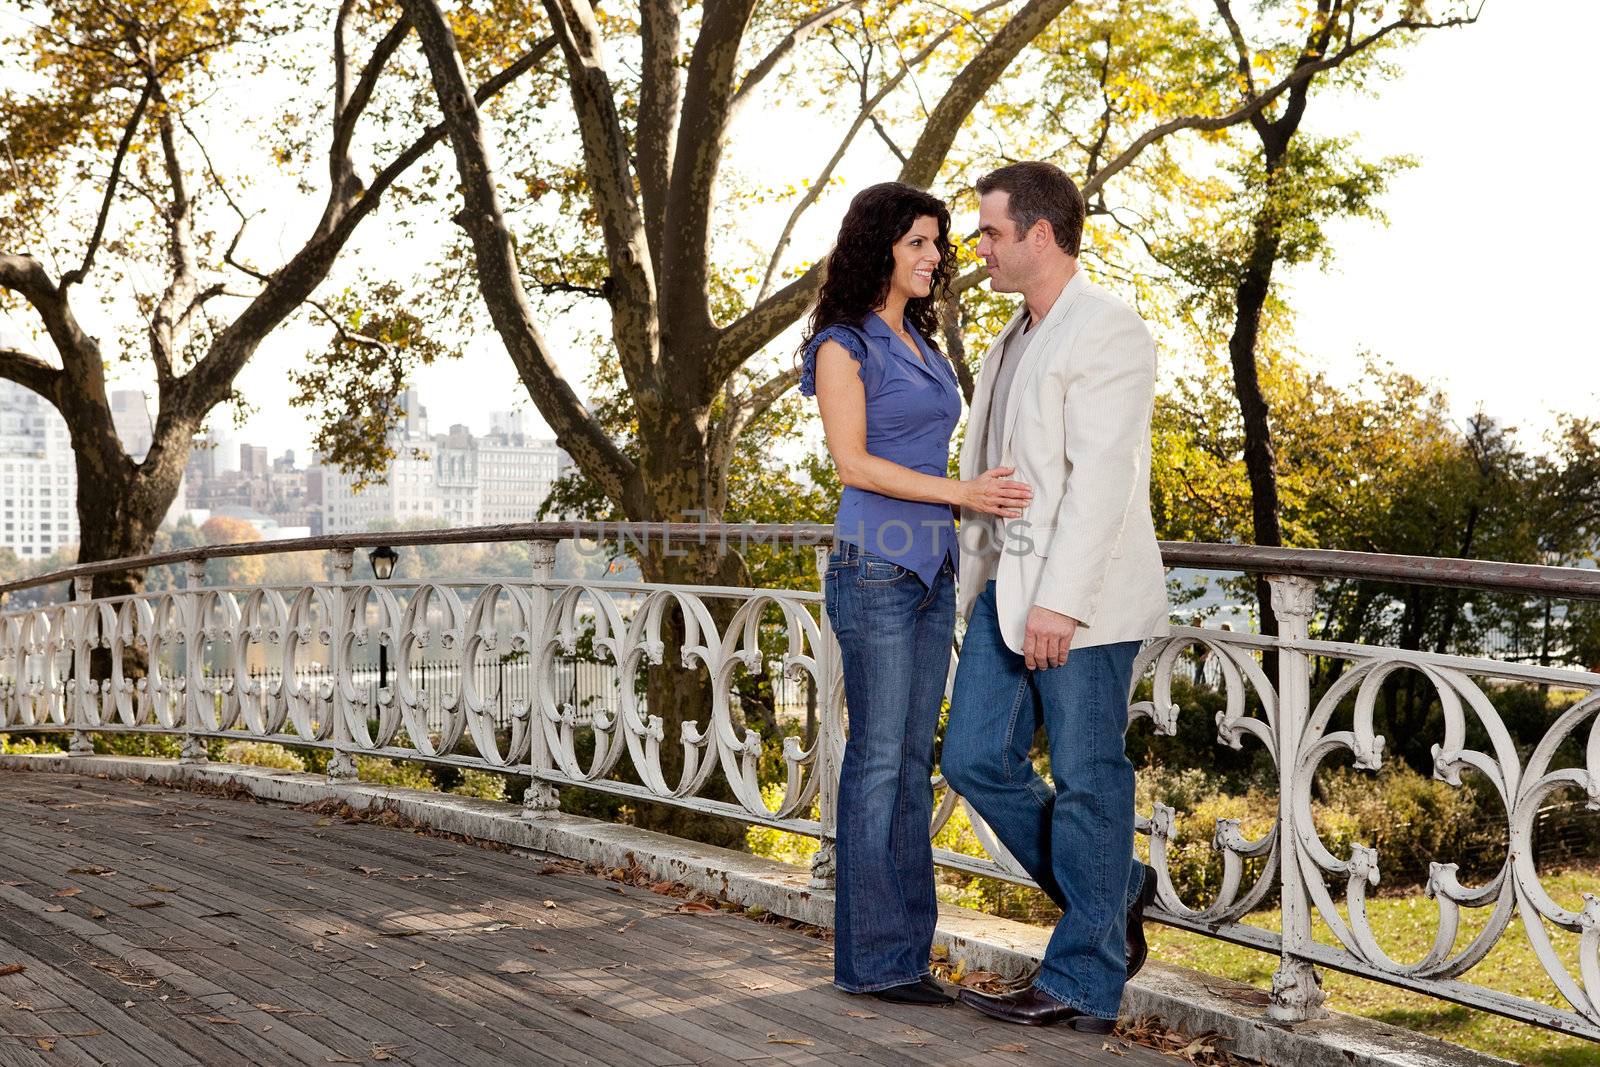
1521	578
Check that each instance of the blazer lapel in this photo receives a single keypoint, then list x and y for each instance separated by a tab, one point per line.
1038	350
977	424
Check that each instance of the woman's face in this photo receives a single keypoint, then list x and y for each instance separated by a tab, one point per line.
916	257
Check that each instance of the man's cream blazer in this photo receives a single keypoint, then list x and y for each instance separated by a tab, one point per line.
1078	432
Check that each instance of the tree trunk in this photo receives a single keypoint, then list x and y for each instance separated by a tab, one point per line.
1260	459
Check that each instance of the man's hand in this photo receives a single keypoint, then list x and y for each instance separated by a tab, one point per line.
1048	638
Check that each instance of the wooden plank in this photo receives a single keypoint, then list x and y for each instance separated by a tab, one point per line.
627	977
361	1022
264	878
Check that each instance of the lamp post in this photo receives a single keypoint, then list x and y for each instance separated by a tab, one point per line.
383	558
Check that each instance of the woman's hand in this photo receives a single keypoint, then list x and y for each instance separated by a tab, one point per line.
993	494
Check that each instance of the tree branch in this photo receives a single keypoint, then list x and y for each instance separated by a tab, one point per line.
659	34
79	353
791	40
348	109
1301	74
971	85
707	104
576	429
1225	9
30	372
634	325
814	190
73	277
288	287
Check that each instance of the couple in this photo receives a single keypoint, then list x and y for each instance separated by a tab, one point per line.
1060	578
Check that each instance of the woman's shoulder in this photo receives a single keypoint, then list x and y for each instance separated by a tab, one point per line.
846	336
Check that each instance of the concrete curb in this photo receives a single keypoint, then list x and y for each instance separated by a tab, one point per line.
1189	1000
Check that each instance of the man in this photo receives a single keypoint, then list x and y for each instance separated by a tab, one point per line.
1059	601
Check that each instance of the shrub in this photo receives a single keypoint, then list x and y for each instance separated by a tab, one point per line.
32	744
484	785
262	754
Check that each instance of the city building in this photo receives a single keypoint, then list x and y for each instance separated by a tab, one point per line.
130	414
449	479
38	478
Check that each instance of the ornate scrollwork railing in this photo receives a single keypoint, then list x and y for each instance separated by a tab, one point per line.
231	662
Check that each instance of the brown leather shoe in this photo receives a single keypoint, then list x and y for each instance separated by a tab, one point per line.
1136	949
1031	1007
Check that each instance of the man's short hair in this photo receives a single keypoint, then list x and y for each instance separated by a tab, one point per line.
1040	191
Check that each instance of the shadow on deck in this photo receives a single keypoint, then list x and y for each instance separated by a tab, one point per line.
142	925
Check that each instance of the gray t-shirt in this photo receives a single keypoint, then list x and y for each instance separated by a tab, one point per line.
1011	355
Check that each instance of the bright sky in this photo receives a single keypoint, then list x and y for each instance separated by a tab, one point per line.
1480	282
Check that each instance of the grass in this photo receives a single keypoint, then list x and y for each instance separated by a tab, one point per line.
1405	927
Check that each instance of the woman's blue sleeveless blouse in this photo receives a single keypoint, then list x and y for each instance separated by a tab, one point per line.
912	409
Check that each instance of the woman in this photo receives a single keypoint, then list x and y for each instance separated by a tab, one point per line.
889	402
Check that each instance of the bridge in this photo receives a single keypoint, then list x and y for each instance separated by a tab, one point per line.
279	915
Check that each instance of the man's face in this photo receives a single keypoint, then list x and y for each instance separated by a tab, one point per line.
1008	255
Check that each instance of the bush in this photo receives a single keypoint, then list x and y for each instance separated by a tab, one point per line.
484	785
32	744
262	754
402	773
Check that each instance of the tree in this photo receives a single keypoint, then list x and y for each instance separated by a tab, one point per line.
238	570
1288	186
116	104
643	205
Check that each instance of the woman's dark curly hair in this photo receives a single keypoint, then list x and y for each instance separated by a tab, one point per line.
855	280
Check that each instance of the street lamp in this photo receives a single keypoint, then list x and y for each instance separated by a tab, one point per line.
383	558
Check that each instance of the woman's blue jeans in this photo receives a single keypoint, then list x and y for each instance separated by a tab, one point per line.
1075	838
895	635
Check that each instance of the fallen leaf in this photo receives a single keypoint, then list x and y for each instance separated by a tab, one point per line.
1106	1046
70	891
220	915
13	885
549	903
664	888
694	905
369	871
401	933
418	965
45	1043
223	1020
1014	1046
324	821
972	978
54	907
862	1014
145	905
271	1009
774	1039
93	868
97	913
157	887
12	968
515	967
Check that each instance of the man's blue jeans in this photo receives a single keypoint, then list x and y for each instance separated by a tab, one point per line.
895	634
1076	840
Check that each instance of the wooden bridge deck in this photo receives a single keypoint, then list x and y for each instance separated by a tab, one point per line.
140	925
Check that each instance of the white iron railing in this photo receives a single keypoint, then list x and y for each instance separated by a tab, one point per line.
233	663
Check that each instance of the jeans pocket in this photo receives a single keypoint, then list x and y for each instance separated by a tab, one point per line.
881	572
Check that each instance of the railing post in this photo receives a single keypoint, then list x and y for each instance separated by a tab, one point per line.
82	744
194	749
342	766
1296	987
543	799
830	733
